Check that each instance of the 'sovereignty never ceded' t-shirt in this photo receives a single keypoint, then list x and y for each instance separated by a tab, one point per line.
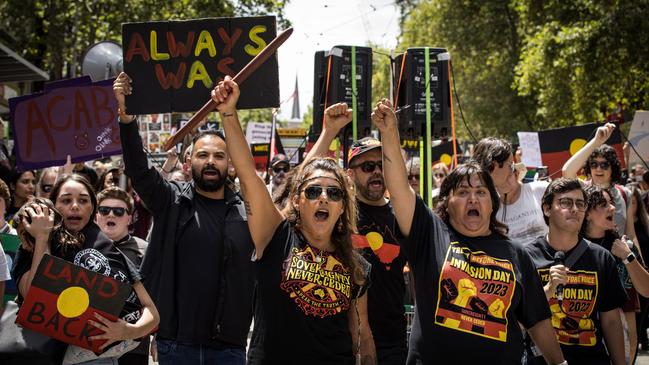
471	294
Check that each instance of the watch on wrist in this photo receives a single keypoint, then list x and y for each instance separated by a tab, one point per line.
629	259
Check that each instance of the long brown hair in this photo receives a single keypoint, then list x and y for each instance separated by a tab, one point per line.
60	237
341	239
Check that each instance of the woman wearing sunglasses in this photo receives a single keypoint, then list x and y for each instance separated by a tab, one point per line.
66	230
599	227
311	302
473	285
601	165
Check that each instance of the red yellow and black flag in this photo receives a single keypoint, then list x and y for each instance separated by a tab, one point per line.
558	145
63	297
444	153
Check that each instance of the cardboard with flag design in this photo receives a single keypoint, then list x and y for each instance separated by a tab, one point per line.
558	145
63	297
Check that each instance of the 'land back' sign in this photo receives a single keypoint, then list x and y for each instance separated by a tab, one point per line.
63	297
175	64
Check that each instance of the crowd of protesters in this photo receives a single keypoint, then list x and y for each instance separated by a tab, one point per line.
501	271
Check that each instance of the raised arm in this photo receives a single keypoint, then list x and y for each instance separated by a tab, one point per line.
402	196
336	118
40	227
577	161
263	216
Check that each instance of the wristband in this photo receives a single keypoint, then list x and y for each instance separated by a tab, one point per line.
227	114
629	259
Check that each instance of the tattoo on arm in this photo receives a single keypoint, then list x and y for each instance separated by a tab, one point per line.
387	158
247	205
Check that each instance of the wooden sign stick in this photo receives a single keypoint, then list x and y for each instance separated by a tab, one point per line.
246	71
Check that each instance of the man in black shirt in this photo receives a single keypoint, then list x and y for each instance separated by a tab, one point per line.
580	281
197	266
376	238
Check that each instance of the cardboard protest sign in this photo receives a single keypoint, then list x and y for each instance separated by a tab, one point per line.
73	117
63	297
639	138
558	145
175	64
531	150
10	244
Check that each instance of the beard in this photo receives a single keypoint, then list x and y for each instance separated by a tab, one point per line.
369	193
208	185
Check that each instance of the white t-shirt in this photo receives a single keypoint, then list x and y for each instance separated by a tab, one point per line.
525	216
4	263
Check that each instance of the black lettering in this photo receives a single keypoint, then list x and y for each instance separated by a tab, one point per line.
36	313
54	322
66	324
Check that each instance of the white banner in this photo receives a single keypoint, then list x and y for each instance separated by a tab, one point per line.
258	132
639	138
531	149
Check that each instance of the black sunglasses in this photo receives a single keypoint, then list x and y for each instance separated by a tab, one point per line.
47	188
283	168
117	211
334	193
604	165
413	176
369	166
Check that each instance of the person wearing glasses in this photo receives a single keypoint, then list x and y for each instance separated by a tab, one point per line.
65	229
278	171
473	285
114	212
376	239
520	207
599	227
311	300
197	266
580	281
602	167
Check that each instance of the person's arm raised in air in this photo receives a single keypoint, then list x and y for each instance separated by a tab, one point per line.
577	161
402	196
336	117
263	216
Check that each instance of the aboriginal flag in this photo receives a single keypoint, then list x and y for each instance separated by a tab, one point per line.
260	155
63	297
444	153
558	145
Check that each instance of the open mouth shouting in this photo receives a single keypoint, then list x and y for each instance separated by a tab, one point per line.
321	215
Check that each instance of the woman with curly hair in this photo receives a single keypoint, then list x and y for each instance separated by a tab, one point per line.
66	230
311	302
601	165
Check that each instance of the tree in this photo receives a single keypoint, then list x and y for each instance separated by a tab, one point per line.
533	64
53	34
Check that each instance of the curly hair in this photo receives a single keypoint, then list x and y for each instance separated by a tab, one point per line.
608	153
595	198
341	239
464	173
60	237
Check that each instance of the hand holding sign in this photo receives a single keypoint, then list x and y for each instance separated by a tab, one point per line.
113	330
121	88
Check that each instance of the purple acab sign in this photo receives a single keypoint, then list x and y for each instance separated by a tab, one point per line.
73	117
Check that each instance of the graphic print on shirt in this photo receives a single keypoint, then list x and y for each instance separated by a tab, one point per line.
572	321
375	238
475	293
318	283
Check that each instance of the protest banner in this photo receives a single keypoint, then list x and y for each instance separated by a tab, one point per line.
639	138
73	117
175	64
63	297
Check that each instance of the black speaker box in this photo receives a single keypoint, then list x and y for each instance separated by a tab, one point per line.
410	93
332	78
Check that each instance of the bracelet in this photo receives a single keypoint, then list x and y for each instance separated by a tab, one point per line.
227	114
121	112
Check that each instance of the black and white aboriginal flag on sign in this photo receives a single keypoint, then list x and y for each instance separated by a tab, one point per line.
63	297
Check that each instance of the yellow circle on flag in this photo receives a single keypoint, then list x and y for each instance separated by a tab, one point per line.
375	240
576	145
73	301
446	158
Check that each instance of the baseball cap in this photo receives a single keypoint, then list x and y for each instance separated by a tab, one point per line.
279	158
361	146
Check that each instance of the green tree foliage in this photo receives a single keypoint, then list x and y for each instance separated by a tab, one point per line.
53	34
380	73
533	64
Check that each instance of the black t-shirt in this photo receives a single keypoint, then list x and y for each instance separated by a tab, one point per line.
593	286
378	244
198	278
98	254
471	294
301	305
